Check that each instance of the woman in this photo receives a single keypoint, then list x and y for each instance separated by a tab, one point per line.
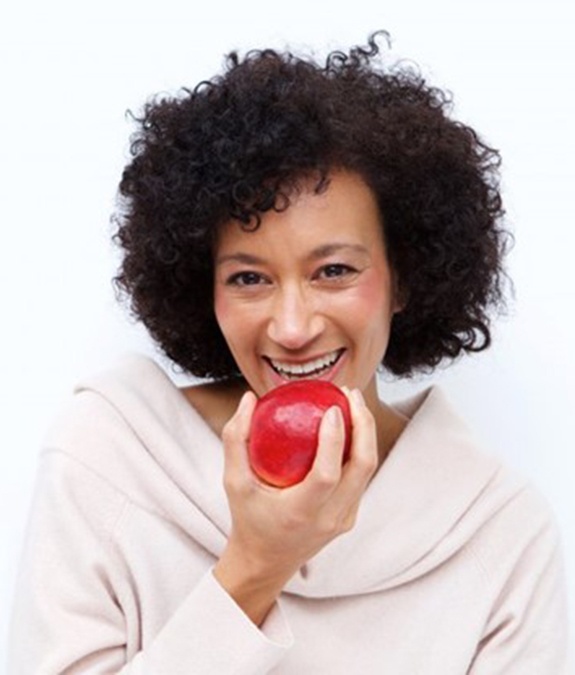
286	221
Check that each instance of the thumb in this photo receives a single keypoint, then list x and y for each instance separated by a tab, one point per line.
236	433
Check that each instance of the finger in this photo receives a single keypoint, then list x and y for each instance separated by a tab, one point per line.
235	435
363	460
325	473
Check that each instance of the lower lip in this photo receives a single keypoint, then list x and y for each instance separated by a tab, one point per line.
328	375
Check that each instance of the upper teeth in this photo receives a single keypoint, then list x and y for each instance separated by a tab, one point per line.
306	368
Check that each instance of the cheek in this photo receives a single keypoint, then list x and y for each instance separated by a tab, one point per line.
224	311
371	299
235	318
369	295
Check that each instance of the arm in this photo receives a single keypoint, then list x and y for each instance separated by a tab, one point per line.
74	593
275	531
74	590
527	632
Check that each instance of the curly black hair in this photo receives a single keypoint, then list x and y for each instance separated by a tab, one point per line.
235	146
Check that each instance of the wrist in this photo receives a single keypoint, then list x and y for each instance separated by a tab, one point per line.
249	582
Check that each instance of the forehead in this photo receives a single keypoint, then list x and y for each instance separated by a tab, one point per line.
346	211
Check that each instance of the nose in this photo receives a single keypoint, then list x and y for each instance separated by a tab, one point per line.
294	321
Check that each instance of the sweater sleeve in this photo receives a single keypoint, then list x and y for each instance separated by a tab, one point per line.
68	611
191	642
527	631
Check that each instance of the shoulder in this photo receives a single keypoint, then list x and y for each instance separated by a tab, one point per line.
115	401
520	555
521	529
132	430
462	489
128	422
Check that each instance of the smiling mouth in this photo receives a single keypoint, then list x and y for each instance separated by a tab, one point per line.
314	368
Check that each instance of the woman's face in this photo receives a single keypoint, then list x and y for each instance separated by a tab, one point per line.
310	293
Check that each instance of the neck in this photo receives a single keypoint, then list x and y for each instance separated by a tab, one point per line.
389	423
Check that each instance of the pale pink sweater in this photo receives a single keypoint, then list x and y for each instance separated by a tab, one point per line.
453	566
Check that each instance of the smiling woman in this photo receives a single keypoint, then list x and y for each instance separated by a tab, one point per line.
292	221
310	291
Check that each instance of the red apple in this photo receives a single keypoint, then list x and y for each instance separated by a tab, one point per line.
285	428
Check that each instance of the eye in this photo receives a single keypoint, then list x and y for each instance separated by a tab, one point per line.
245	279
335	271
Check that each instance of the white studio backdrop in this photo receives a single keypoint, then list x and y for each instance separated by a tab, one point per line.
71	70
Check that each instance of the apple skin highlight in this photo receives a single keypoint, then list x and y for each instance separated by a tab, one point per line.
285	429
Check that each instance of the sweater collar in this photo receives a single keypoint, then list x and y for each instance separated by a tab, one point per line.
425	502
419	509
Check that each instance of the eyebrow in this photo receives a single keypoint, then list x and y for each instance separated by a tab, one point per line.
316	254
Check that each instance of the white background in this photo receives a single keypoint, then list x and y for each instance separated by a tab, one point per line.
70	70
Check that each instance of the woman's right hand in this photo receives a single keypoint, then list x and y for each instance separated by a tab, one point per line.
276	530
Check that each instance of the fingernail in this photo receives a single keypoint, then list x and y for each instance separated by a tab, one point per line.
357	397
244	401
333	416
